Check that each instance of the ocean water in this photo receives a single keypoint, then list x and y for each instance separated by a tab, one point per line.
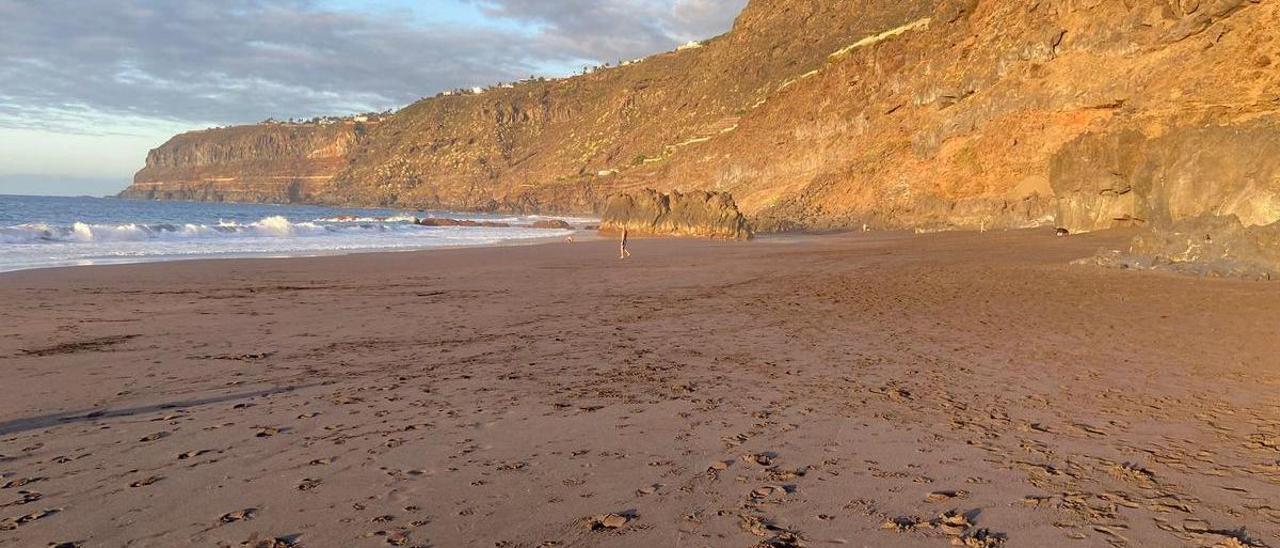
40	231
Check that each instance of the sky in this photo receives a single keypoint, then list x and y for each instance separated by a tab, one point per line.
89	86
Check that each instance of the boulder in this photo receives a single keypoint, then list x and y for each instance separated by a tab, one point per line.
694	214
1214	246
556	224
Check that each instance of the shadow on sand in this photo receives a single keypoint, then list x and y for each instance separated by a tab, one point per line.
72	417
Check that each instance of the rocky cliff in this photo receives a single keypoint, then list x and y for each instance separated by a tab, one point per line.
270	163
567	145
831	113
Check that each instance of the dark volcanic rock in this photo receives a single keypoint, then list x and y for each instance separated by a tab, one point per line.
1214	246
457	222
553	224
697	214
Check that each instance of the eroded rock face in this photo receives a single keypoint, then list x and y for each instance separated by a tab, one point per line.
694	214
1128	179
1216	246
955	123
270	163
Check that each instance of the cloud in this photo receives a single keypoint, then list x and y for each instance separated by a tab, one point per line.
231	61
617	29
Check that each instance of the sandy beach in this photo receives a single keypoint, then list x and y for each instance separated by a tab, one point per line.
863	390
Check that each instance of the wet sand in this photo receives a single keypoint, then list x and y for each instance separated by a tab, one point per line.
864	390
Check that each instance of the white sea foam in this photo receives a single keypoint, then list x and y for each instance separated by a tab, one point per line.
355	219
273	227
36	245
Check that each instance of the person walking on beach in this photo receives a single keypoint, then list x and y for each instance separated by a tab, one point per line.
622	249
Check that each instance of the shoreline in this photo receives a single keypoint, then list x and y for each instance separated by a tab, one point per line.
581	236
41	232
845	389
513	242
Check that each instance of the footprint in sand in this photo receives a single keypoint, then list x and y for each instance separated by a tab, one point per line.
266	431
779	475
27	497
398	539
193	454
952	523
9	524
762	527
943	496
21	482
275	542
146	482
769	491
239	515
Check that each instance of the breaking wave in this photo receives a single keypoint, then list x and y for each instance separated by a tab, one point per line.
40	232
270	227
356	219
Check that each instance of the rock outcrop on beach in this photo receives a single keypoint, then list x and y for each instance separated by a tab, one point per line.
552	224
1211	246
435	221
695	214
937	114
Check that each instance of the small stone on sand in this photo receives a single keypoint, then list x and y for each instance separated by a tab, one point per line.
608	521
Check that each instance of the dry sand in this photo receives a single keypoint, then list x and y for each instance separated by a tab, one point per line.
835	390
